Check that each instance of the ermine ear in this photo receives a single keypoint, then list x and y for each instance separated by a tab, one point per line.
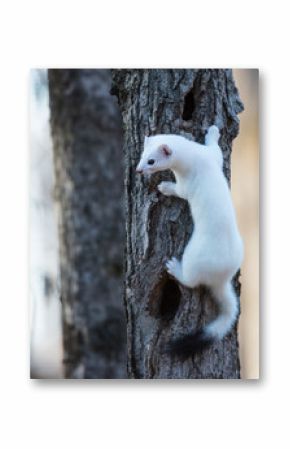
146	140
166	150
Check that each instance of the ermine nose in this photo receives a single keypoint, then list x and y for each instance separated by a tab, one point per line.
138	170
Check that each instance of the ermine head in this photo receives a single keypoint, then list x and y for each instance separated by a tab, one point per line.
156	156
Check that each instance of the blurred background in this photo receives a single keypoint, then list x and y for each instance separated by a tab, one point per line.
245	189
45	310
45	307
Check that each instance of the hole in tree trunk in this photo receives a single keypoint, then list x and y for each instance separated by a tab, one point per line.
165	299
169	300
188	106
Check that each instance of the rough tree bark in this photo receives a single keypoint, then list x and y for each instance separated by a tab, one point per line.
158	227
87	140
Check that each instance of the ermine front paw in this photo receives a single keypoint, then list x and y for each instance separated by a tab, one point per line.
165	187
174	267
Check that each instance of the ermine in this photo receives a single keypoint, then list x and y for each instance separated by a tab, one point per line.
214	252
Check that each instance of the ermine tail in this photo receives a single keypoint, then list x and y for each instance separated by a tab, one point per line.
216	330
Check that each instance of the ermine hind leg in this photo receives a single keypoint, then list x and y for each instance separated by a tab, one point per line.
212	135
174	267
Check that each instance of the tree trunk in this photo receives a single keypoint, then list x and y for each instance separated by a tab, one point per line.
87	140
158	309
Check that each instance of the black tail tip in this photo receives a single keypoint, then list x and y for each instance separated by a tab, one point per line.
189	344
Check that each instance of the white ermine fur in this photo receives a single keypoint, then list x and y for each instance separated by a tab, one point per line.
214	252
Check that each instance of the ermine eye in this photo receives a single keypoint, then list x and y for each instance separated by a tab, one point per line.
151	161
